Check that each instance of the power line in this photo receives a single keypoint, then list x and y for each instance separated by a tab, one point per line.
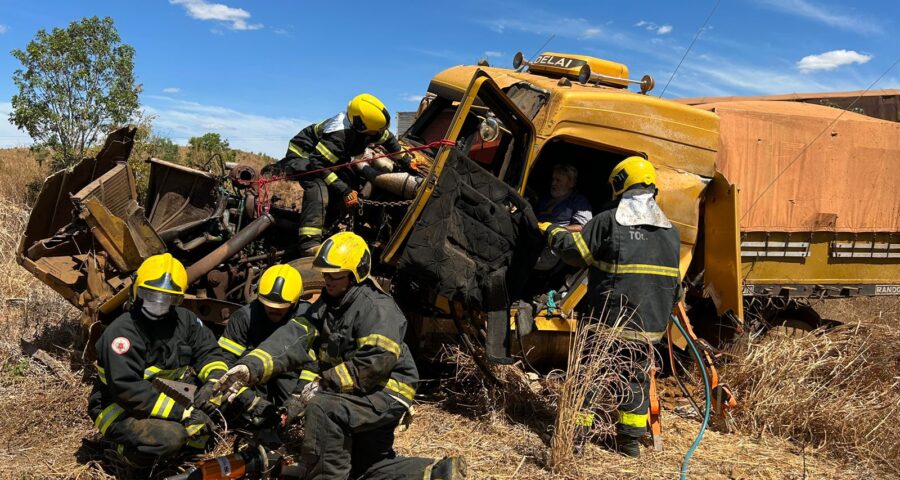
696	36
806	147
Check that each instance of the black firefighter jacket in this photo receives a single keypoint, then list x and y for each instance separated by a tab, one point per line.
134	350
633	272
331	142
359	340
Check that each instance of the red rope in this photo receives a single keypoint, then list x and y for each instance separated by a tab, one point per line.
262	183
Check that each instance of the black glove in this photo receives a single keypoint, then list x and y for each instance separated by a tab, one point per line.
206	400
262	413
272	170
195	421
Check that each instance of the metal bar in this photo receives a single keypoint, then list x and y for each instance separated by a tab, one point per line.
229	248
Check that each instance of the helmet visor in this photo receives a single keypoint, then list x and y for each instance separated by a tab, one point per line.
157	297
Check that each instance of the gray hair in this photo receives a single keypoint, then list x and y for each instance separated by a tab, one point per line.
567	169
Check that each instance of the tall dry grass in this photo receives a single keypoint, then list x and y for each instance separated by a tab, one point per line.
837	392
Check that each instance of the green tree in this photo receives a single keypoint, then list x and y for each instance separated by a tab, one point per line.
207	150
74	84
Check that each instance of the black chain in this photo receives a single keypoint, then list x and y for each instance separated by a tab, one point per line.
396	203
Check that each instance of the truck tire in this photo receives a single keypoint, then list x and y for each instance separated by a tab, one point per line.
795	323
313	281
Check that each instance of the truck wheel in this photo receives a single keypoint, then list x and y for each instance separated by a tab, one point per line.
791	327
313	281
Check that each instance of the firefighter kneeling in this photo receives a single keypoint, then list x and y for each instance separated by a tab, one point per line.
368	376
154	339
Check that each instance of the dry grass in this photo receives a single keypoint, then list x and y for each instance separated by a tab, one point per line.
838	392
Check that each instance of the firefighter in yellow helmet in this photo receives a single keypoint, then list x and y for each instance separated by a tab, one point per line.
367	379
632	251
277	303
155	338
332	142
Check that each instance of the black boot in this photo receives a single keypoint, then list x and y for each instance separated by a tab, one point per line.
449	468
628	446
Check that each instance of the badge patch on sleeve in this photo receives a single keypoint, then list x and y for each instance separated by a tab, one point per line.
121	345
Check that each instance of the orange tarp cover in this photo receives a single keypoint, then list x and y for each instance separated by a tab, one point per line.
797	174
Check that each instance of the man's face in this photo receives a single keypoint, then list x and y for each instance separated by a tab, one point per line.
336	284
276	314
561	185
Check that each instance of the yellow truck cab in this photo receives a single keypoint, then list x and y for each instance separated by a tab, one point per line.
463	240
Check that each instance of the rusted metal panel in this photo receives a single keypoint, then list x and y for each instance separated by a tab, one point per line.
179	197
115	189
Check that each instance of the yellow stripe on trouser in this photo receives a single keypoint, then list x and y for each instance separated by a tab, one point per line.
638	268
297	150
376	340
635	335
268	363
199	442
163	406
108	416
321	148
308	375
582	248
230	345
584	419
101	374
345	378
630	419
310	231
401	388
331	178
212	367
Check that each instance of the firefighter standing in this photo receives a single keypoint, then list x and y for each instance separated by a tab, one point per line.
633	252
331	142
277	302
368	376
153	339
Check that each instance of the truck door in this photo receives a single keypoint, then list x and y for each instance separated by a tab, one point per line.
722	251
470	237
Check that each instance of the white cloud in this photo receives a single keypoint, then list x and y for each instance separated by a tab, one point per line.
202	10
664	30
653	27
543	23
180	119
492	53
412	98
171	90
10	136
831	60
3	29
829	15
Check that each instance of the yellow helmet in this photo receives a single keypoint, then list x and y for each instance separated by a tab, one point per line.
344	252
280	286
367	114
631	171
161	273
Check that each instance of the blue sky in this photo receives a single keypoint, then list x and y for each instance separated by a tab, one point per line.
257	72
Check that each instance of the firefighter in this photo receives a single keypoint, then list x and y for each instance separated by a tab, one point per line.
368	377
632	251
153	339
332	142
277	302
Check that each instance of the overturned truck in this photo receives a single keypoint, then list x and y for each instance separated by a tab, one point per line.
455	243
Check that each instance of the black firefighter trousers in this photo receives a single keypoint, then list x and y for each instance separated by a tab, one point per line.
312	213
351	436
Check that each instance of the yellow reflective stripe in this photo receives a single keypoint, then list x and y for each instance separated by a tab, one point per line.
312	353
553	232
308	375
163	406
311	231
230	345
637	268
344	376
268	363
402	388
171	374
584	419
630	419
199	442
384	137
377	340
331	178
212	367
108	416
318	128
310	329
101	374
297	150
635	335
194	429
321	148
583	248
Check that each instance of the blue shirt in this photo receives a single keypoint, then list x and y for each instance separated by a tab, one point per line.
574	209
